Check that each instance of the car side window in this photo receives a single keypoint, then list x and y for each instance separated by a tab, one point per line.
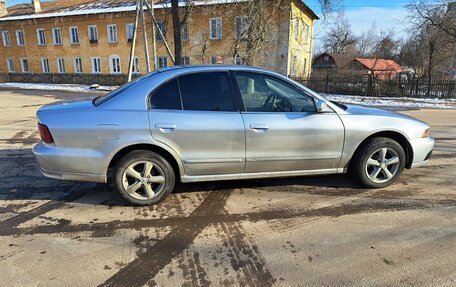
166	97
263	93
207	91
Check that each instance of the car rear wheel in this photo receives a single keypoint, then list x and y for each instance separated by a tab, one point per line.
379	163
143	177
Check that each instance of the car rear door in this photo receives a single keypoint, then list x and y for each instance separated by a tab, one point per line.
195	114
283	130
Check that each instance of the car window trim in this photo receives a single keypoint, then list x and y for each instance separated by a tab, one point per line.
279	79
237	108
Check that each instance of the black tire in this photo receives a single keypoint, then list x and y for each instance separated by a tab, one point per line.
160	169
373	148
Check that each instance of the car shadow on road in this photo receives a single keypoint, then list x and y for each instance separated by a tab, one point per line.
21	180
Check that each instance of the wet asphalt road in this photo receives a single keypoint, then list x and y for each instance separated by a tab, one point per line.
306	231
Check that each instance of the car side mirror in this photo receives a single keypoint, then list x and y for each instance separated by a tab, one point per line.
321	105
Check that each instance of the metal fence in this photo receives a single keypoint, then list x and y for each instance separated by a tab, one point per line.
369	86
86	79
330	84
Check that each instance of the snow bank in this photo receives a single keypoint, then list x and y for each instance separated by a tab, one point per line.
396	102
55	87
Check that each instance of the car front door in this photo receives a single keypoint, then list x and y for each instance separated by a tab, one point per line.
283	130
195	115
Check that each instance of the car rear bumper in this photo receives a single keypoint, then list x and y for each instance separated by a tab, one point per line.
422	151
49	162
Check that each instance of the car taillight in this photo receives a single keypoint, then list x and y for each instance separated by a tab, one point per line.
45	133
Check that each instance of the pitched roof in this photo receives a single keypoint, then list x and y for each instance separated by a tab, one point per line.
380	64
342	60
62	8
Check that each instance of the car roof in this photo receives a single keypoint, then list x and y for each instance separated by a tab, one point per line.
200	68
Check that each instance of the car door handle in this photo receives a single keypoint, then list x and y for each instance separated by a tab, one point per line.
259	128
165	128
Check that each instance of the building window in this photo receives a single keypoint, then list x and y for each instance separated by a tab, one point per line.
77	65
135	69
184	33
112	33
305	66
306	34
6	39
20	38
130	32
294	63
241	26
238	60
215	25
10	65
74	35
326	59
162	62
57	36
162	27
297	28
41	36
93	34
45	65
216	60
60	65
96	65
24	65
185	60
114	62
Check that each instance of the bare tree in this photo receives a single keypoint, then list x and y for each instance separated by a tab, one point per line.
178	22
339	36
411	53
440	15
366	41
386	46
436	25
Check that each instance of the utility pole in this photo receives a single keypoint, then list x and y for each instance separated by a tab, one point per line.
154	43
154	21
133	43
140	13
146	46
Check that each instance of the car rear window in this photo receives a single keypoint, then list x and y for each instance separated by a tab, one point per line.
209	91
103	99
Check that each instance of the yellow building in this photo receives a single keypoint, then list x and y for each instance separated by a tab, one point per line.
94	37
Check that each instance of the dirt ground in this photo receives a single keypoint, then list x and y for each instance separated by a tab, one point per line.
307	231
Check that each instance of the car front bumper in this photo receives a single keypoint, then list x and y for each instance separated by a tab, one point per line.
422	150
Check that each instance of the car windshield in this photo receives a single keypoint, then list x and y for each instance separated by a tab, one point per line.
102	99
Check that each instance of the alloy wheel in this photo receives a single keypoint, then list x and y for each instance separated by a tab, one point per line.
143	180
382	165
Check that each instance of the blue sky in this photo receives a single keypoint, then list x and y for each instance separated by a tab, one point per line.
361	14
14	2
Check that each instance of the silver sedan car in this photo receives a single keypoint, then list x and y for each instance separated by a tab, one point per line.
207	123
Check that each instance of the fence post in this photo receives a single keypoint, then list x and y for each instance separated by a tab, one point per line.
326	83
369	85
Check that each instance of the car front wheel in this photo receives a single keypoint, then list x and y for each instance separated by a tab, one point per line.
379	163
143	177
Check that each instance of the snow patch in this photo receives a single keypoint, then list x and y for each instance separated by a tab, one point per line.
396	102
55	87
